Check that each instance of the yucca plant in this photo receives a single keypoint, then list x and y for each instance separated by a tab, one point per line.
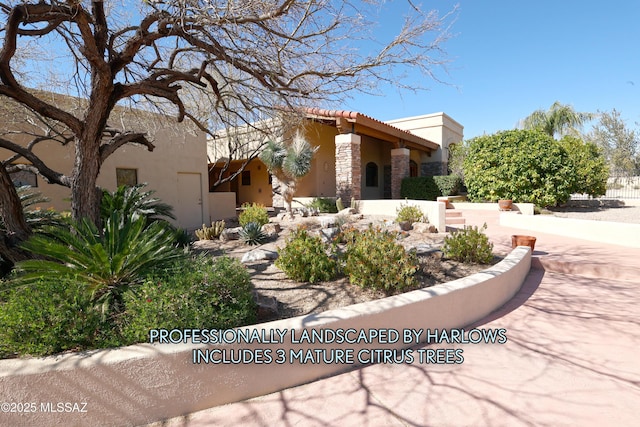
133	203
252	234
289	163
105	263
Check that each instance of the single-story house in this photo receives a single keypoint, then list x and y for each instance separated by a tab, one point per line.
176	169
358	156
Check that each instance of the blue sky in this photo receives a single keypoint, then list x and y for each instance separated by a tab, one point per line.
509	58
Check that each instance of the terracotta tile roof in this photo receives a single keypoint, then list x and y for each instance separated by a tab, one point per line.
370	122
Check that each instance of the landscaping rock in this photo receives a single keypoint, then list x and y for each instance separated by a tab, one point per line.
281	216
347	211
421	227
328	221
259	255
267	306
230	234
271	229
425	248
433	229
405	225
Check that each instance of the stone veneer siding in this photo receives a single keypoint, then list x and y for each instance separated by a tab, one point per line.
399	169
433	169
348	164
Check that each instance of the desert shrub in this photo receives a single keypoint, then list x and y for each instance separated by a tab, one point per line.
304	258
254	212
373	259
448	185
203	293
469	245
323	204
419	188
252	234
409	213
522	165
50	316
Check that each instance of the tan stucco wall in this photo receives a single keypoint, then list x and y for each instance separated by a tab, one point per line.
437	127
176	151
144	383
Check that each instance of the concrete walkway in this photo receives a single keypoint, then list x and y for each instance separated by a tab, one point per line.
571	358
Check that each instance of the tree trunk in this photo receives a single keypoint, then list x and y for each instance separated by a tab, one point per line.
16	230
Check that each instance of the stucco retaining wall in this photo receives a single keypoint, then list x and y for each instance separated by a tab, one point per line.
616	233
145	383
523	208
435	211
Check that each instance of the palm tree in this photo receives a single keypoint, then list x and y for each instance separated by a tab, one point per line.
559	119
288	163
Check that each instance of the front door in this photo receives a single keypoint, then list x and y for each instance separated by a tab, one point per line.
189	210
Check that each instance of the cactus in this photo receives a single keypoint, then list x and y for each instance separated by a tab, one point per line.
210	233
339	204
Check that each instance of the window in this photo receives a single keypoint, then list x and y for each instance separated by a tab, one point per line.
246	177
22	178
371	175
128	177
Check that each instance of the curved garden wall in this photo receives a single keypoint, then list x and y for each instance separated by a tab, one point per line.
149	382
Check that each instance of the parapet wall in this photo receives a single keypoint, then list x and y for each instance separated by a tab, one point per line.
150	382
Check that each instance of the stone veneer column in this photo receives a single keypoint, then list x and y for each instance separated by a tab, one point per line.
399	169
348	164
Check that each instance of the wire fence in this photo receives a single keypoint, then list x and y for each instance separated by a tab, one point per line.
618	187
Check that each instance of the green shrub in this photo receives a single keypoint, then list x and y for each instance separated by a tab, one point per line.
324	204
254	212
204	294
409	213
373	259
252	234
50	316
305	259
131	203
590	166
105	263
448	185
419	188
469	245
522	165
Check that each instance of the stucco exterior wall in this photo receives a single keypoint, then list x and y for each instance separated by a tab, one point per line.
437	127
177	154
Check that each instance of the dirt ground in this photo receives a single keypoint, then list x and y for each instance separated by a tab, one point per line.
598	210
295	298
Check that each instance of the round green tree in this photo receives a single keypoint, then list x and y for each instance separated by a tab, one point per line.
590	166
522	165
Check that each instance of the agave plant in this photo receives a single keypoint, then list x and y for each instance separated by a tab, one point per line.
133	203
106	263
252	234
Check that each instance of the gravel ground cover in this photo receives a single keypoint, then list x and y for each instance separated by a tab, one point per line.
610	210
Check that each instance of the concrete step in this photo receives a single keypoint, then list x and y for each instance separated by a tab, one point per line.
454	220
452	214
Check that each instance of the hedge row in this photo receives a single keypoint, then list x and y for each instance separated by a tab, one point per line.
430	187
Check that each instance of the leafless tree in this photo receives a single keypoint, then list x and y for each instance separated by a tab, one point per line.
215	63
